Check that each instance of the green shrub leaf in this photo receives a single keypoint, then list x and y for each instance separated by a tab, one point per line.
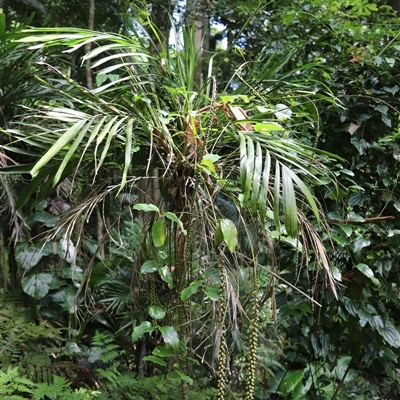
226	230
180	376
156	312
170	336
166	276
155	360
140	330
158	233
175	219
390	333
149	267
146	207
37	285
191	289
162	351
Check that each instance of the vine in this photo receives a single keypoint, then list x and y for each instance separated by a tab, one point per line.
153	296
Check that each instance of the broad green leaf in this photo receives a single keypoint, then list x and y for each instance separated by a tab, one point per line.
358	198
211	157
291	380
101	78
376	322
351	306
347	229
282	112
71	348
174	218
212	292
140	330
156	312
218	236
390	333
209	165
355	217
149	267
212	274
66	297
360	243
155	360
382	109
28	258
62	141
94	354
36	285
162	351
390	354
365	269
66	249
73	272
170	336
336	273
46	218
393	90
364	316
335	215
229	233
191	289
342	366
146	207
166	275
339	240
347	172
159	233
289	203
179	376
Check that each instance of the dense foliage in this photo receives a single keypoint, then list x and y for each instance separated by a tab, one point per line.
207	225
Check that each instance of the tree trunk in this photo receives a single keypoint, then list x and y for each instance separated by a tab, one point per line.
88	47
197	18
396	5
161	11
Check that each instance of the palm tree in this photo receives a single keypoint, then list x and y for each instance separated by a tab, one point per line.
221	177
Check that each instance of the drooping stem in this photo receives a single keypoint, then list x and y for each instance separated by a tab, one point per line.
222	332
251	378
4	273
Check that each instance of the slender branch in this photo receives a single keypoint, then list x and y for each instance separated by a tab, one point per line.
372	220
